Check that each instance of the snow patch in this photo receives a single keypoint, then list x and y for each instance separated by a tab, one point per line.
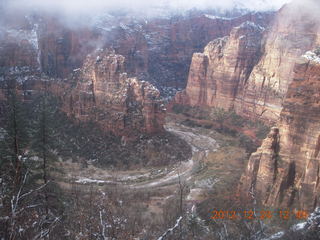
170	230
252	25
88	181
311	56
299	226
275	236
217	17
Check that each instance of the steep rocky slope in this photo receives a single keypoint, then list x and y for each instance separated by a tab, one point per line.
96	89
221	72
261	75
294	31
285	169
102	92
99	92
169	63
251	73
157	49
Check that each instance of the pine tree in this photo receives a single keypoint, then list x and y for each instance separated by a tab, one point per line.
13	144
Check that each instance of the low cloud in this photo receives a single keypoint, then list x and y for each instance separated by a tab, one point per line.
92	6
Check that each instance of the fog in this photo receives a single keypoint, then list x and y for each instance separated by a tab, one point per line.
92	6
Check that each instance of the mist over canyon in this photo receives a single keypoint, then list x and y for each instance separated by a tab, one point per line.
159	119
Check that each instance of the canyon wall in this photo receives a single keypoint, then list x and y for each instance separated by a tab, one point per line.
250	73
158	50
261	75
217	75
285	169
172	42
294	31
102	92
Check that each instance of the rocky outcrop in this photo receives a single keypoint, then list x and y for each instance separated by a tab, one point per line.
158	50
218	75
294	31
285	169
62	47
102	92
256	85
172	42
19	49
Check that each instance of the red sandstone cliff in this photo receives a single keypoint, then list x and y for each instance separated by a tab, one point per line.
270	81
294	31
172	42
158	50
217	75
102	92
285	169
254	80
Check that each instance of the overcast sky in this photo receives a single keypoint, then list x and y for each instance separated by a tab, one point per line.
90	6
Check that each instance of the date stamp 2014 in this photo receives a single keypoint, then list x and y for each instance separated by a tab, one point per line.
258	215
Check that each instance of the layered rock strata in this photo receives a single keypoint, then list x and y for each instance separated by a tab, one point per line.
102	92
251	73
218	75
285	169
156	49
294	31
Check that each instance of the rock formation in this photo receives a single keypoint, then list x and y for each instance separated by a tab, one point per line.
294	31
261	75
285	169
172	42
255	84
101	92
221	72
19	49
157	50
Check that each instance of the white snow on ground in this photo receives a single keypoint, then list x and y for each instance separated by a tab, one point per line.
88	180
206	183
30	36
313	220
216	17
299	226
170	230
133	177
311	56
252	25
275	236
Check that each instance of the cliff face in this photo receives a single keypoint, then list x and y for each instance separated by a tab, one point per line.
102	92
99	92
19	48
173	42
285	169
62	49
157	50
252	74
294	31
221	72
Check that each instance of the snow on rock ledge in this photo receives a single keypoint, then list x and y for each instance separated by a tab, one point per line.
312	56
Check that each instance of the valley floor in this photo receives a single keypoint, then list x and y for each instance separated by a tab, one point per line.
213	171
